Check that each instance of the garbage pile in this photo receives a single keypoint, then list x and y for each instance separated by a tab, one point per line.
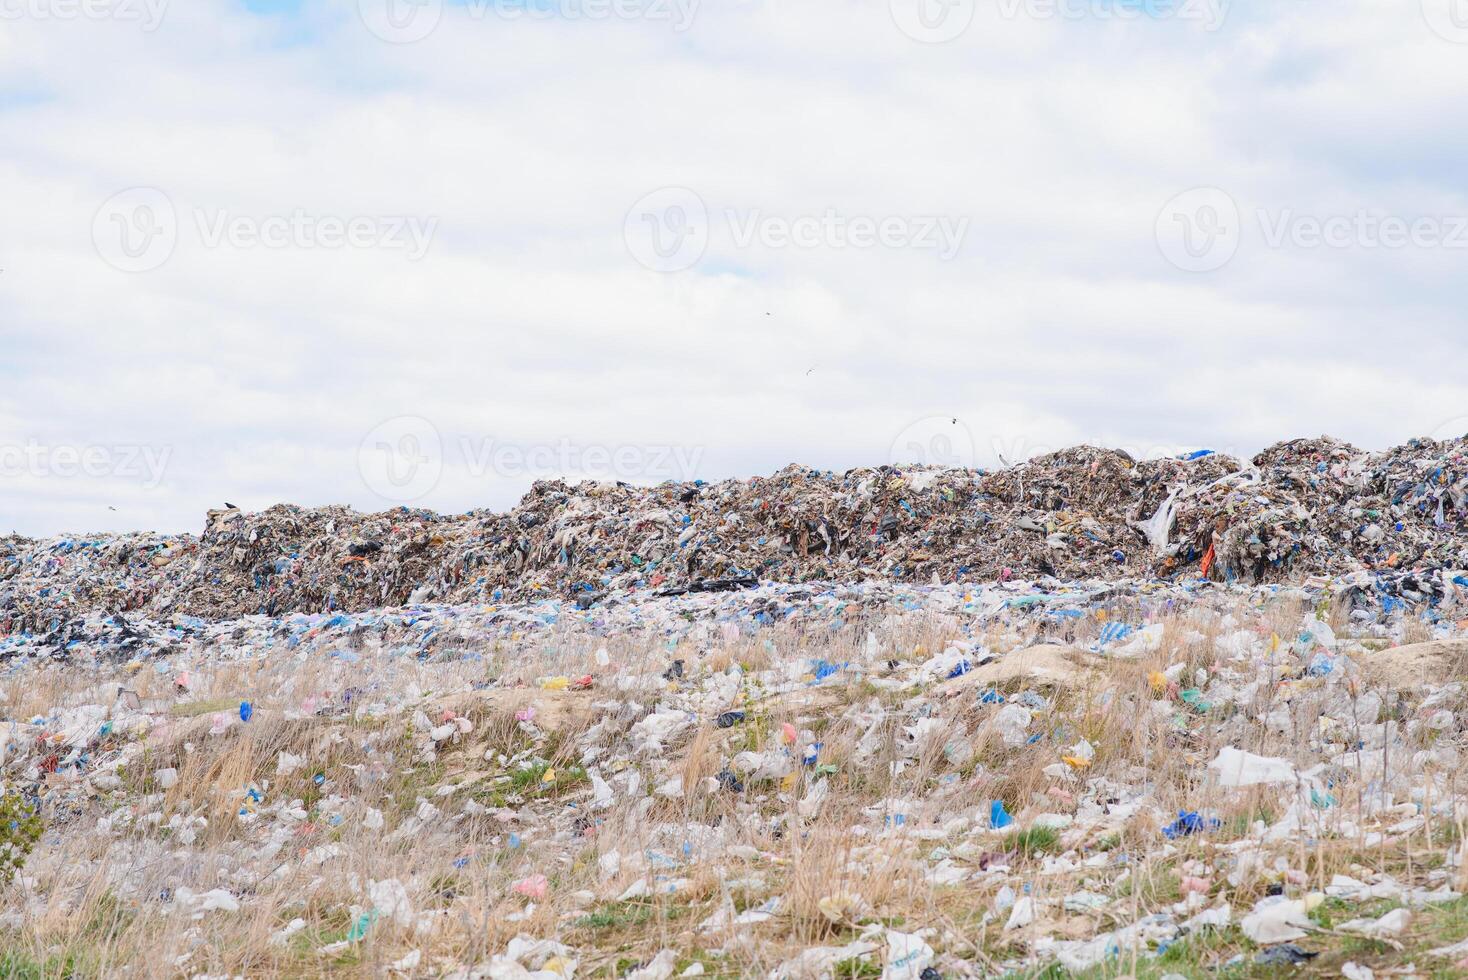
43	583
1299	511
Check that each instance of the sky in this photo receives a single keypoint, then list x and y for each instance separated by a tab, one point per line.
413	252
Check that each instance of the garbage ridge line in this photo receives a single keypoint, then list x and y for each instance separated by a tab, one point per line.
1306	510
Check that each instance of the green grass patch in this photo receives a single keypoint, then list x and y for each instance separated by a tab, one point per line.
1152	886
20	966
1033	841
857	968
109	917
617	915
530	783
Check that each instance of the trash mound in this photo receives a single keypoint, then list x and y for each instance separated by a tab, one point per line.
1299	510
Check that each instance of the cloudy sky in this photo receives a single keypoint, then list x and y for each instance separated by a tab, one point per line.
383	251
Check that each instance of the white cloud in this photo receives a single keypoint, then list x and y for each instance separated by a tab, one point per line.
528	321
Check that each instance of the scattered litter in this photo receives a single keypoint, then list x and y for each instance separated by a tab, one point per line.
1284	954
1390	924
1189	822
1276	919
1237	768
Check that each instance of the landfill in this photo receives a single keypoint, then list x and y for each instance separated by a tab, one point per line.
1082	717
1395	520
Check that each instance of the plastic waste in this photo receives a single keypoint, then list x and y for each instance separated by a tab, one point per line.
1284	954
1390	924
1277	919
1235	767
1189	822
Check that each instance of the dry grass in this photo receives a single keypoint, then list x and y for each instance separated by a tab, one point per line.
899	838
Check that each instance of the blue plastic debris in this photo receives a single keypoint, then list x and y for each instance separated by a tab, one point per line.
360	927
959	669
1189	822
247	710
999	818
824	668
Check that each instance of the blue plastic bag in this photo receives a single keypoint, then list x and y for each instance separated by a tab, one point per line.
998	817
1189	822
